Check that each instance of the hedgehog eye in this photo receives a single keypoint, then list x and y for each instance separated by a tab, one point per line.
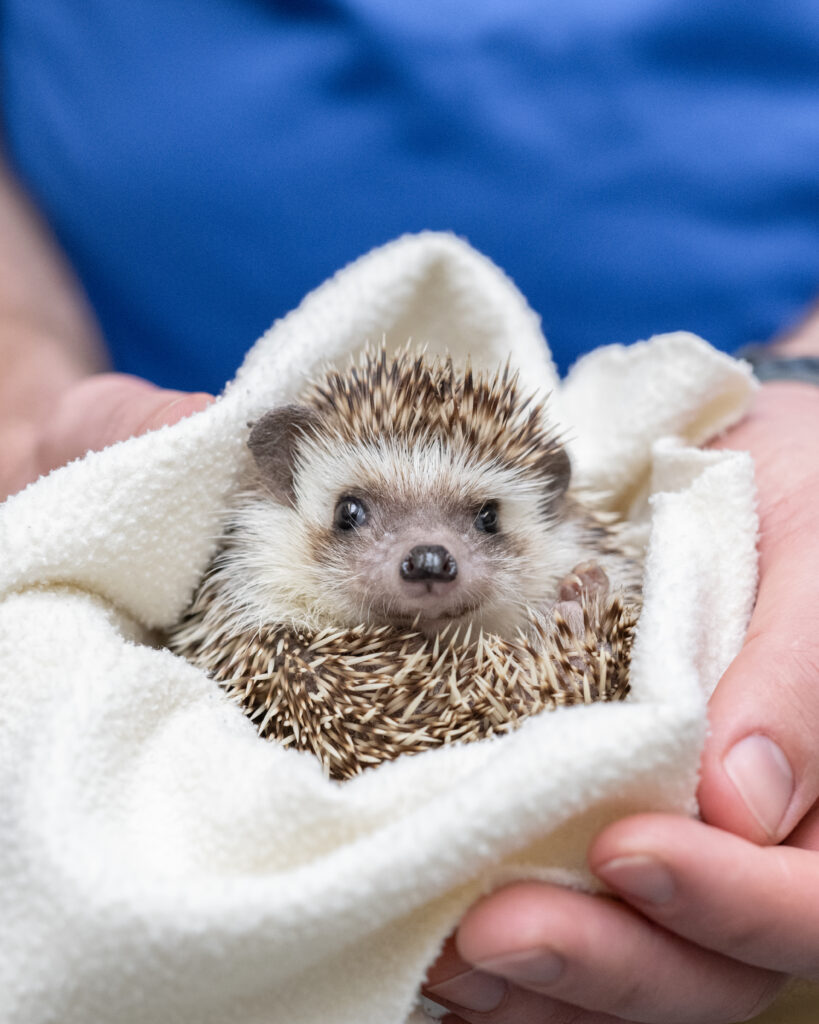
350	513
487	519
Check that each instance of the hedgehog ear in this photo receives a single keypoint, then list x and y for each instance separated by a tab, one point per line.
274	442
556	467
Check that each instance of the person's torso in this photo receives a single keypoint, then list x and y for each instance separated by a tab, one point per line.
636	167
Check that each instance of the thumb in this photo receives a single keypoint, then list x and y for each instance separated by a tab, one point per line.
760	772
106	408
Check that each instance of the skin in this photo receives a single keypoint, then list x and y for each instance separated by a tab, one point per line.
56	402
732	913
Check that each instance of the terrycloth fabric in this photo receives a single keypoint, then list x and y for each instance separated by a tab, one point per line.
159	862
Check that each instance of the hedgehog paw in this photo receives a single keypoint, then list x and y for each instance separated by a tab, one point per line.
588	579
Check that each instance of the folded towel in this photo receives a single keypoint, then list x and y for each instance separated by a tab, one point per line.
159	862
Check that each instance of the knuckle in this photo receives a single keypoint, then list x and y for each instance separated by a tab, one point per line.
784	517
759	996
630	995
559	1013
572	1015
45	447
744	935
804	664
798	698
787	685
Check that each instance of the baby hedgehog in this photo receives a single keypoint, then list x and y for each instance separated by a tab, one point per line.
406	522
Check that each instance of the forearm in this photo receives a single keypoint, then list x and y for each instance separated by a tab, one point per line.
54	404
48	335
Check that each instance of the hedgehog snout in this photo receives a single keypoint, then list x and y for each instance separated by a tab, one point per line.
429	562
422	571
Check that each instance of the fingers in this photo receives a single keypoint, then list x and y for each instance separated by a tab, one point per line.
454	982
107	408
171	407
481	998
596	953
755	904
760	774
524	1007
18	457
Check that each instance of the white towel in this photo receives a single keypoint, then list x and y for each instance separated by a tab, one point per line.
159	862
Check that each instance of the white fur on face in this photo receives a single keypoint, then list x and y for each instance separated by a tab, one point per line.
289	564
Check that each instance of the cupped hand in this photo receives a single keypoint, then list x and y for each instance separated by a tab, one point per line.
712	917
89	415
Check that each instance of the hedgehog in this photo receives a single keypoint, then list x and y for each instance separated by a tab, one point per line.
407	566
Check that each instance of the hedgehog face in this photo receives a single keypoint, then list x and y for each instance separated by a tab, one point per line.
403	492
386	532
400	534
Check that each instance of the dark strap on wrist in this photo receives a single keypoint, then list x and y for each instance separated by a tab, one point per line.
769	366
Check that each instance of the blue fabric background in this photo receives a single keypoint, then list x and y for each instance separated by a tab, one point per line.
636	166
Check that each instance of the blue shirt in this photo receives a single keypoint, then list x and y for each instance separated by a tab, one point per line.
637	166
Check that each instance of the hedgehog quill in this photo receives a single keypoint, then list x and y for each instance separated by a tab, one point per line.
408	566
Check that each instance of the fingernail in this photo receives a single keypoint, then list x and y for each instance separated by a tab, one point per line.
531	967
473	990
642	877
763	778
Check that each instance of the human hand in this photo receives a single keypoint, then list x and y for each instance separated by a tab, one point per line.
88	415
728	919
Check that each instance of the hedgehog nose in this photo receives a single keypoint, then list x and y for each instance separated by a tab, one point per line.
429	562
